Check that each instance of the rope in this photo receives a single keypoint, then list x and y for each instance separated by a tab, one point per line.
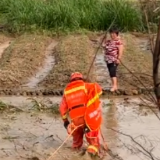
99	48
152	98
104	142
86	79
63	143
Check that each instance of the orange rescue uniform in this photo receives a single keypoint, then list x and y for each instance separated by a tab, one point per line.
81	101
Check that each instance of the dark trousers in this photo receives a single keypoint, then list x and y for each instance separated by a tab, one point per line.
112	68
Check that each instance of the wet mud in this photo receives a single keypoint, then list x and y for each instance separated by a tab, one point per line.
102	75
59	92
45	69
33	87
130	129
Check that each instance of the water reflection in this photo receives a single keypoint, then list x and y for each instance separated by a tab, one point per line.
110	121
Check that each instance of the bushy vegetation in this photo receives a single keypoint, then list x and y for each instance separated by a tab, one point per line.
26	15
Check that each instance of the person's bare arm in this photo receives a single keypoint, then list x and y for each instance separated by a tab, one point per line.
120	48
104	44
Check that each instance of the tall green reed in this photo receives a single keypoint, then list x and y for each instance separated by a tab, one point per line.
22	15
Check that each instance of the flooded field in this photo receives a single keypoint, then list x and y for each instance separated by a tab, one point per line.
130	129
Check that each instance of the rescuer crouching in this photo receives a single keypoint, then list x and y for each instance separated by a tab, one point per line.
81	102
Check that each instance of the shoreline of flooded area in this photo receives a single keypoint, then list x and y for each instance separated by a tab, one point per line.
129	127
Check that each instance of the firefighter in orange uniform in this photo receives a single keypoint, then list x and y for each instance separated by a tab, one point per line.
81	102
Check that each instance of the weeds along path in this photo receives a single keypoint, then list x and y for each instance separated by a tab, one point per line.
45	69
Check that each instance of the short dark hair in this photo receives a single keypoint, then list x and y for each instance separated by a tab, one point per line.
114	30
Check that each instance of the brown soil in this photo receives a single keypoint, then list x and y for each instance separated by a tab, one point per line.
138	60
26	54
22	59
73	53
4	38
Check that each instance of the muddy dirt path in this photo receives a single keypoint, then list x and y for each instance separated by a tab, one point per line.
102	74
45	69
29	134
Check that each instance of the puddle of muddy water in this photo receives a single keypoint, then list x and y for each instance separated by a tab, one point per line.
126	118
36	134
44	71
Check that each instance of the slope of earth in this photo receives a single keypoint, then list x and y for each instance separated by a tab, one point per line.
44	70
22	59
4	42
137	59
4	38
73	53
22	63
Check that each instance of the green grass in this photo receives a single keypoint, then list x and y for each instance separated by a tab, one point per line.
94	15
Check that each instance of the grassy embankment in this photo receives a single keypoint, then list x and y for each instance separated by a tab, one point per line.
73	53
138	61
22	59
19	16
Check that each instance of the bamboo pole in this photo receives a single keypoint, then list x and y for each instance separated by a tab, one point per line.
156	59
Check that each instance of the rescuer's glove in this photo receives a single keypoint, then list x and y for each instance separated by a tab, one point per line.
70	128
86	129
66	123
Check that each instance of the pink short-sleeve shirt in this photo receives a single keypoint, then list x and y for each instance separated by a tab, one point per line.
111	50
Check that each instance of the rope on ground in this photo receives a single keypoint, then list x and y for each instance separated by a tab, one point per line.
50	158
151	96
104	142
109	151
150	108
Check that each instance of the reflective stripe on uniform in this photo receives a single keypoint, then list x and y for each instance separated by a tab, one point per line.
91	101
93	147
75	89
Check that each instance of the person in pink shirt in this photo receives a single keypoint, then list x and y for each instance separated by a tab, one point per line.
113	53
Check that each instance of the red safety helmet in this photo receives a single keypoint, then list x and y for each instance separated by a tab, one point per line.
76	75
